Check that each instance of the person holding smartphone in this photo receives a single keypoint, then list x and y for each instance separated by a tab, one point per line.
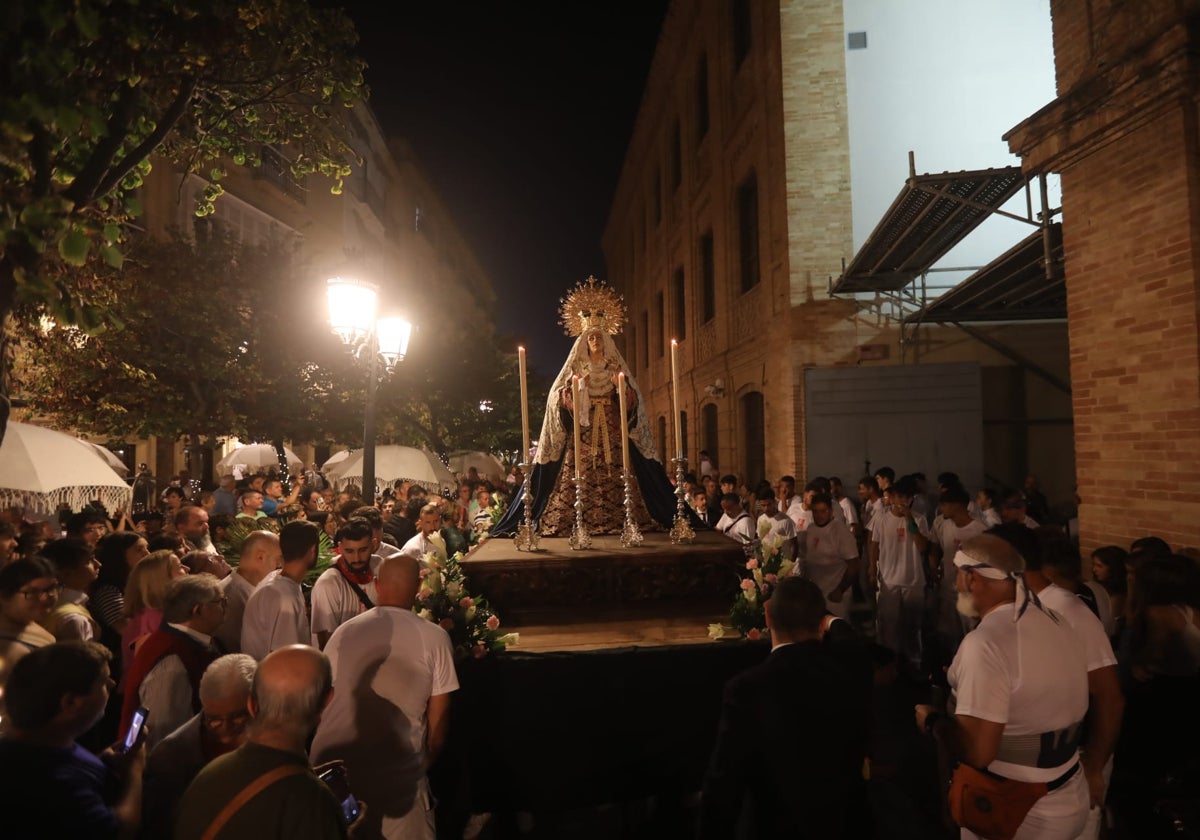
50	786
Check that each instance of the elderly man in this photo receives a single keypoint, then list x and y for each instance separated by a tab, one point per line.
1019	693
50	786
165	673
250	505
218	729
347	588
276	615
291	689
389	718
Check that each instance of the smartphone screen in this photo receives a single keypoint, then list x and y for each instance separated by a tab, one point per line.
135	728
335	779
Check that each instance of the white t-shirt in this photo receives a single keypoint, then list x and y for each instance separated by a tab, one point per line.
781	526
950	537
419	545
870	512
740	527
990	517
334	602
275	617
1029	675
826	550
1096	646
849	512
899	557
387	663
799	514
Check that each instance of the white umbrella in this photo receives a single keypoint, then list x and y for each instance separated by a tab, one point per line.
335	459
42	470
487	465
393	463
108	455
256	456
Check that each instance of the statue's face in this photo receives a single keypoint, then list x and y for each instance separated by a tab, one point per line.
593	342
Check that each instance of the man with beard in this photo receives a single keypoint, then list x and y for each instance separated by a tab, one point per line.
275	614
346	588
1019	691
428	523
191	522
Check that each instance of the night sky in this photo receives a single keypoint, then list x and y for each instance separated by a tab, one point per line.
520	114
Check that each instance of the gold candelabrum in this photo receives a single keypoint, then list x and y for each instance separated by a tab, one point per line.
631	536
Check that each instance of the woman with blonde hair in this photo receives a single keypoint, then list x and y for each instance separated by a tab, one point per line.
144	597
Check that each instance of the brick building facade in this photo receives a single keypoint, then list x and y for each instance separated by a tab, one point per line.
1123	133
732	216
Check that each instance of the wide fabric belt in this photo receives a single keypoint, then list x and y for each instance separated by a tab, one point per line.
600	440
1046	749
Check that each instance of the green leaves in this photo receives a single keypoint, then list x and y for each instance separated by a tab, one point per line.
74	247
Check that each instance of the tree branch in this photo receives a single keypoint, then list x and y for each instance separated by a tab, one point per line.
83	190
162	128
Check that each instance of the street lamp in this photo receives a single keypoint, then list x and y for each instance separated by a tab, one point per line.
352	305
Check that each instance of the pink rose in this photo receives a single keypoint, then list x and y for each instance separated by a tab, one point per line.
754	634
423	595
424	572
772	579
466	602
447	624
747	584
493	622
752	563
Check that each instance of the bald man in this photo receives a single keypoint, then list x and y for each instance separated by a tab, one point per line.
292	687
394	672
259	559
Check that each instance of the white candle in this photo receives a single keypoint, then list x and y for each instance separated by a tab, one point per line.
576	419
675	397
524	407
624	422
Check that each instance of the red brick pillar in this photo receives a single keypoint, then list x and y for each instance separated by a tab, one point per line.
1123	134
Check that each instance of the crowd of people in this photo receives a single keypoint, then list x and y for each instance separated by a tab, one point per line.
1065	704
281	689
155	667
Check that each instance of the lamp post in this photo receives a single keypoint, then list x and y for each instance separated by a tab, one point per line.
352	315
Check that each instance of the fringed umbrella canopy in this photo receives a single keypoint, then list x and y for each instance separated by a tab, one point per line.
42	470
393	463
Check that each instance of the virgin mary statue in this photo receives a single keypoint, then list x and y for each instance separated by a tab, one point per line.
594	313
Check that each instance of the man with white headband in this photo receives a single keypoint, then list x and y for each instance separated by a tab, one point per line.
1019	691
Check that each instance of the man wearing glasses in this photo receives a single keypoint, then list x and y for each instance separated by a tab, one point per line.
165	673
219	728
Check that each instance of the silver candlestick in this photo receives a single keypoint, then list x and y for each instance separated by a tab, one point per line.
580	538
681	531
630	535
527	537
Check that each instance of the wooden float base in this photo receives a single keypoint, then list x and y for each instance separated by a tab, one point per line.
608	596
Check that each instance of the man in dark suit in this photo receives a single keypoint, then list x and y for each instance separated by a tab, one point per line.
794	731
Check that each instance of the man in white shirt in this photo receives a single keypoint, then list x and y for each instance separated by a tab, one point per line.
895	556
1013	510
347	588
275	614
165	673
393	673
846	504
1019	691
1106	702
985	502
950	530
778	526
830	556
429	523
259	559
379	548
735	523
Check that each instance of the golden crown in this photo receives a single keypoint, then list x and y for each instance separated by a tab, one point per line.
591	304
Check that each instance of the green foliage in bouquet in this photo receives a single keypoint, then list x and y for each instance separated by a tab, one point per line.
443	599
763	568
243	527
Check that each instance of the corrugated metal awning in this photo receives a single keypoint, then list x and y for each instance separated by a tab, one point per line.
931	215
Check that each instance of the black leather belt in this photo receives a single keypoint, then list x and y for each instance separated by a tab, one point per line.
1063	779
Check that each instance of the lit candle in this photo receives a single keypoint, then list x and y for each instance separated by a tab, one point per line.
675	397
576	418
624	422
524	406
